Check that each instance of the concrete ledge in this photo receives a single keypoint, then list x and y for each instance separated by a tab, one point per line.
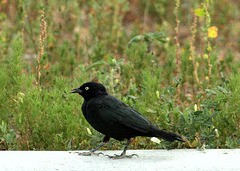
184	159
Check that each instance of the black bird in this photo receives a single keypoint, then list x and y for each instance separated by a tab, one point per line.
111	117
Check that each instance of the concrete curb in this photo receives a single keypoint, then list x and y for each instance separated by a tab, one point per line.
183	159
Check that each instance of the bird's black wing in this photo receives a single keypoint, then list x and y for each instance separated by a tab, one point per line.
111	109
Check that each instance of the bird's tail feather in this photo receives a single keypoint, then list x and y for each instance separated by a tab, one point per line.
166	135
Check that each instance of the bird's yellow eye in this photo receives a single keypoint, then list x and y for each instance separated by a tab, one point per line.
86	88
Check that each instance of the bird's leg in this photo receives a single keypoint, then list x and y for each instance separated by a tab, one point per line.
123	154
92	152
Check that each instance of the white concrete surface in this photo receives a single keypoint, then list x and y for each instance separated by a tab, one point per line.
184	159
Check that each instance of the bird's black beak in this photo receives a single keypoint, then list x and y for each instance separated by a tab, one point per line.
76	90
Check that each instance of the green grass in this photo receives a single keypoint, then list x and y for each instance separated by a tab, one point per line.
85	42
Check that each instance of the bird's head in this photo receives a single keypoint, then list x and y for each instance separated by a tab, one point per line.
90	89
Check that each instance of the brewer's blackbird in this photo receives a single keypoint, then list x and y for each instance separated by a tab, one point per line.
114	119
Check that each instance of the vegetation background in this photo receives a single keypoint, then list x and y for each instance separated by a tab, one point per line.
177	62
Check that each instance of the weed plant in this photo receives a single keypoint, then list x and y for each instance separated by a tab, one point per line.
175	71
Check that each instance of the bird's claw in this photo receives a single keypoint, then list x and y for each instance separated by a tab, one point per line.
115	156
89	153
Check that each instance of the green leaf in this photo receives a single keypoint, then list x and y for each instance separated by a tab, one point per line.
159	36
163	97
132	97
200	12
97	64
198	112
136	39
109	59
177	81
120	61
151	111
148	35
222	90
147	40
210	92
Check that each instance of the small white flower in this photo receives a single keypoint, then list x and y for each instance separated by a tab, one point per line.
195	107
157	94
21	94
117	81
89	131
156	140
216	132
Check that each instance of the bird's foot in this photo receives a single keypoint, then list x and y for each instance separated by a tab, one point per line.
121	156
90	153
